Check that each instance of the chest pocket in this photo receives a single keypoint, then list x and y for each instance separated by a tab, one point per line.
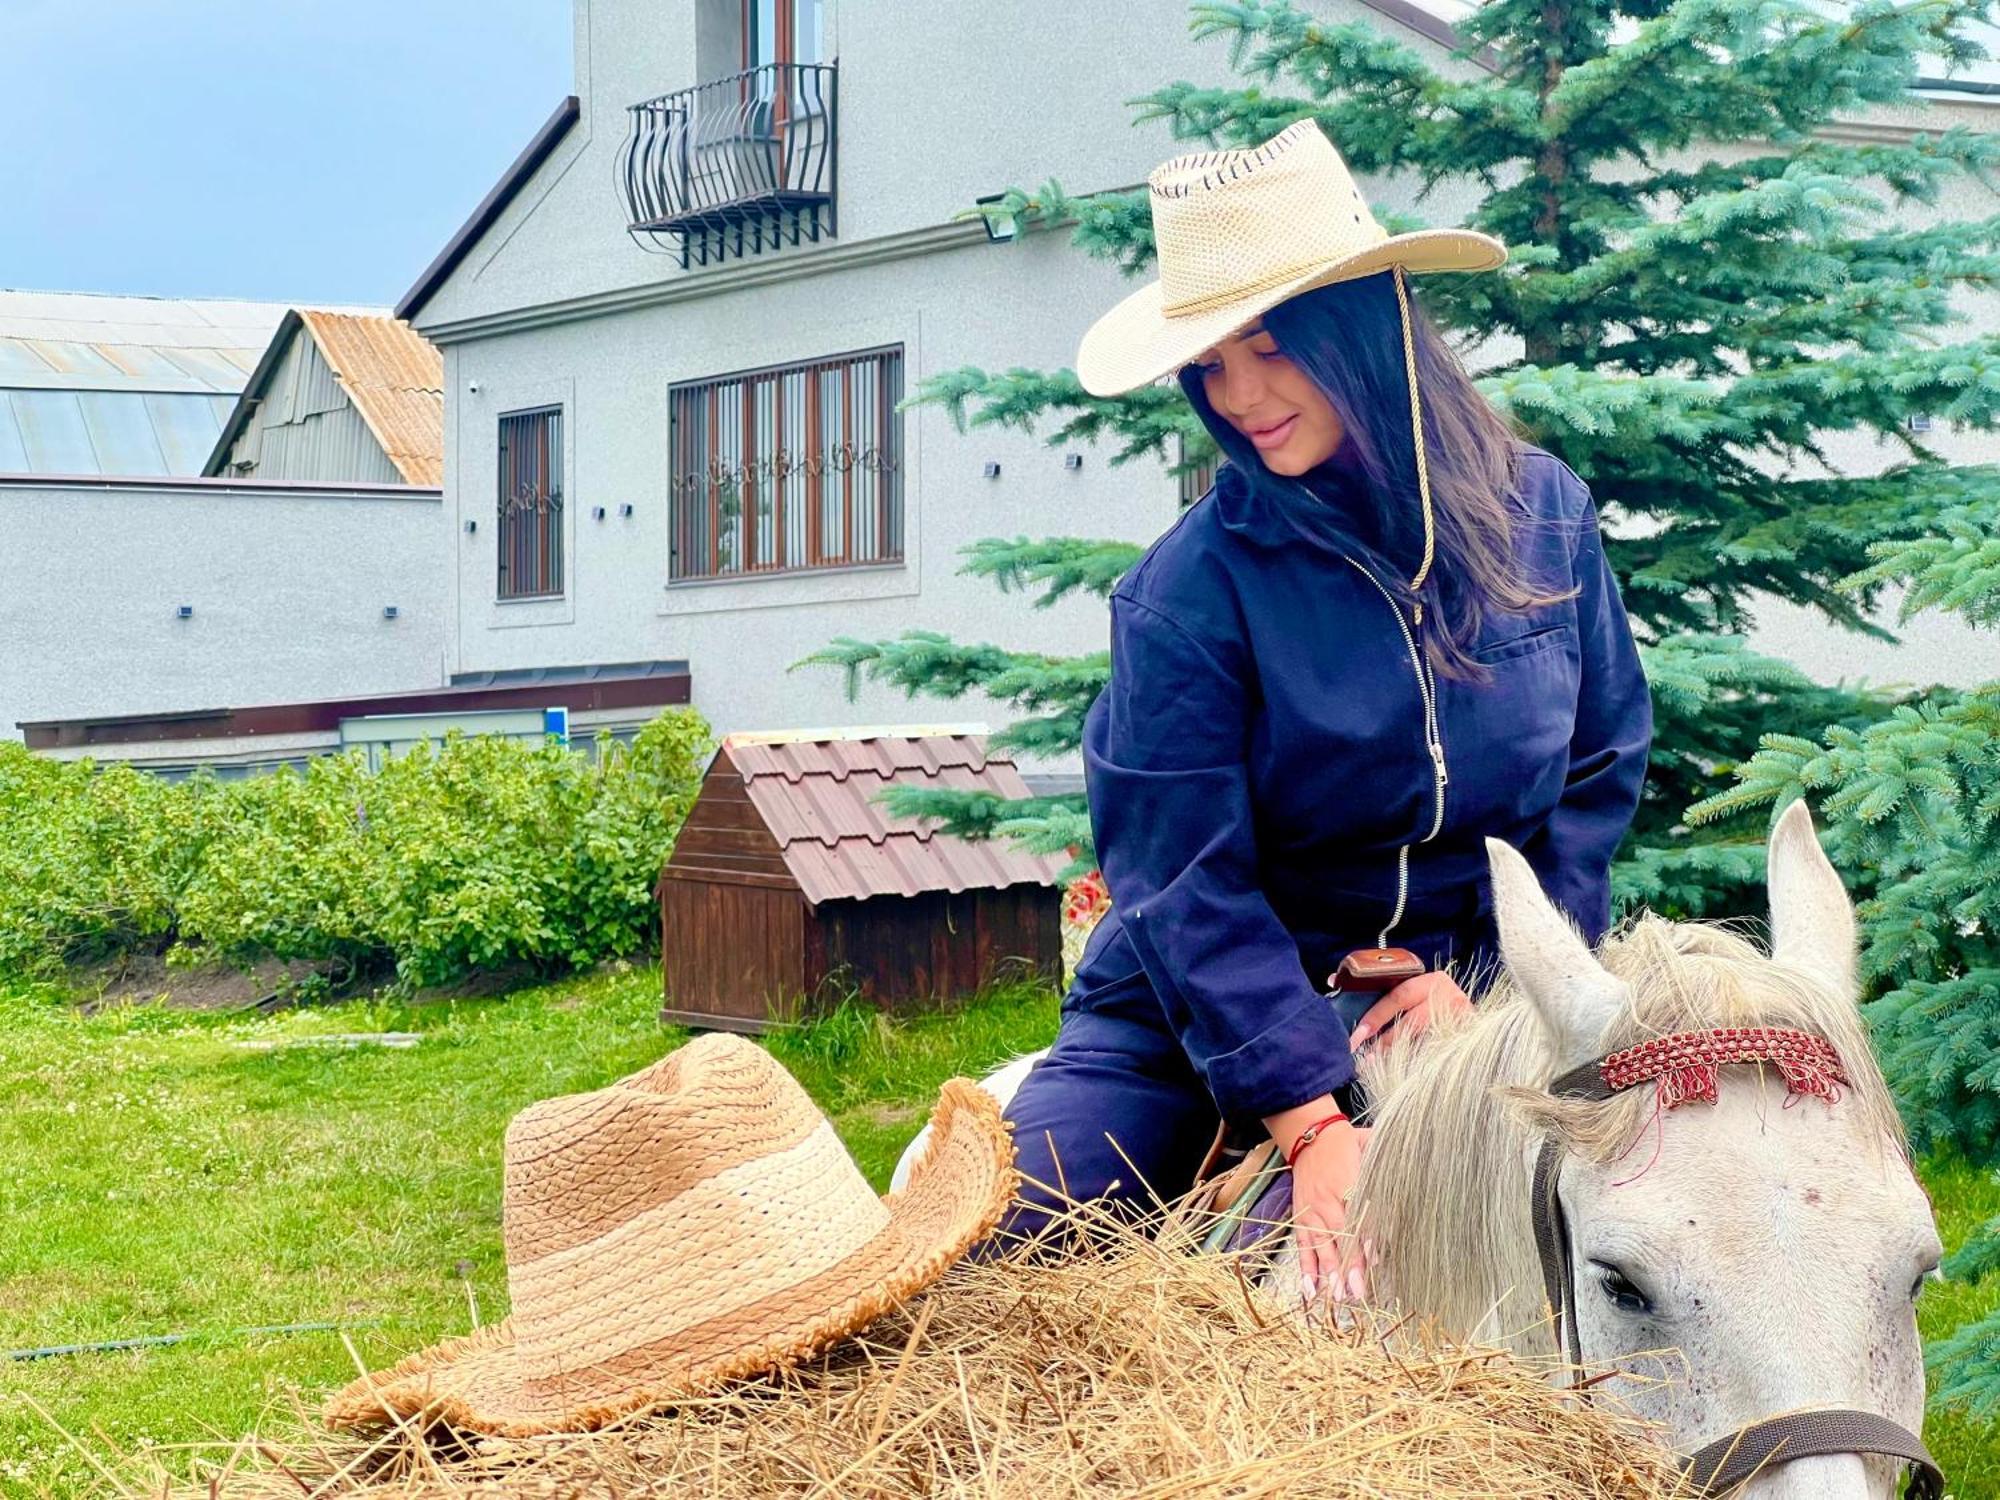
1507	739
1547	637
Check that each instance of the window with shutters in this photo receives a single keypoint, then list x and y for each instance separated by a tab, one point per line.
787	469
531	504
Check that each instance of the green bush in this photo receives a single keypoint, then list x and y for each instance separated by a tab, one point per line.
480	853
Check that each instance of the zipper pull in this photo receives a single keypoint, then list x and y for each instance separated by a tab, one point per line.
1417	613
1437	759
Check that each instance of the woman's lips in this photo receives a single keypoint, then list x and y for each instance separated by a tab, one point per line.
1273	437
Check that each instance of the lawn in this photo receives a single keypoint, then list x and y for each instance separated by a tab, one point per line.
166	1172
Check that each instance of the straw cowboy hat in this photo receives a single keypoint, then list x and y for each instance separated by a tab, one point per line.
695	1223
1237	233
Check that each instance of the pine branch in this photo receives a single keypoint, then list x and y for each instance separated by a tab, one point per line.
1058	566
1958	570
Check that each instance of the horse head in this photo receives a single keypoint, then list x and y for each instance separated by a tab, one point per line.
1743	1240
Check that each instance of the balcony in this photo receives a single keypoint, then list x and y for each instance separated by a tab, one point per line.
735	166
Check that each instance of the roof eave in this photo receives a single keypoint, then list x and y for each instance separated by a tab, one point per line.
490	208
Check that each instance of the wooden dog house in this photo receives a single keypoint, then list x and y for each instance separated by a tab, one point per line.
790	884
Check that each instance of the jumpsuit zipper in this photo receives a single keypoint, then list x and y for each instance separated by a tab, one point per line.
1433	745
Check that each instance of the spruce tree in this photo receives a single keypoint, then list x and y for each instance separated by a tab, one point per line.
1704	287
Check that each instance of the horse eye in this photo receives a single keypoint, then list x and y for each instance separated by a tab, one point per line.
1620	1289
1917	1286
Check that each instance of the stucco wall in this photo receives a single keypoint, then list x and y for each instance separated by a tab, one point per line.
288	583
938	104
612	375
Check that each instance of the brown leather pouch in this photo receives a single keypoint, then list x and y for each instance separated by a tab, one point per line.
1375	969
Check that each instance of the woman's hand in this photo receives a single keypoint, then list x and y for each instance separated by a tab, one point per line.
1408	1008
1322	1177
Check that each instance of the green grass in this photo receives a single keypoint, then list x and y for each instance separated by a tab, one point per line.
163	1172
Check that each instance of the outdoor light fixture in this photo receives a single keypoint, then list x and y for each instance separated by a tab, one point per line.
388	611
992	470
1072	460
596	512
625	509
998	226
184	612
470	527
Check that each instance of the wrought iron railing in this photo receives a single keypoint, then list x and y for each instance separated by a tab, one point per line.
734	166
788	469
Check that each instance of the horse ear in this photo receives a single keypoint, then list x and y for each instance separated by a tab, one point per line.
1576	997
1812	919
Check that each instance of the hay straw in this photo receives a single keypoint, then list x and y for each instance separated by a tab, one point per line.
1130	1371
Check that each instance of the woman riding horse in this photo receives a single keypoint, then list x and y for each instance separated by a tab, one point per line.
1387	633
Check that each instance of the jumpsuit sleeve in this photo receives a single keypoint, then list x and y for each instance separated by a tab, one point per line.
1608	749
1165	759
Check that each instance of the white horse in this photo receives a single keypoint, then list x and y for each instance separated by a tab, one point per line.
1777	1242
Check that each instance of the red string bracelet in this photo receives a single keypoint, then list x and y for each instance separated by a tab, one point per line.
1311	1134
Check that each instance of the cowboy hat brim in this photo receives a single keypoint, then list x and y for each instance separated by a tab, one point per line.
1138	341
956	1194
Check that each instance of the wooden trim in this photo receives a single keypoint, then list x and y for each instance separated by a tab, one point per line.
816	476
698	1020
708	875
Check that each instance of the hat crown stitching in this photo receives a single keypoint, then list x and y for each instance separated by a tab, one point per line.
1230	222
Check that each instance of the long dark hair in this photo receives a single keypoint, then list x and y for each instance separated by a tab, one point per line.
1348	339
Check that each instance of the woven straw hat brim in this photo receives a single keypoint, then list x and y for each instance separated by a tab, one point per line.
1137	342
956	1194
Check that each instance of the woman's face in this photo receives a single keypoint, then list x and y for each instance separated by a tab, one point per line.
1270	400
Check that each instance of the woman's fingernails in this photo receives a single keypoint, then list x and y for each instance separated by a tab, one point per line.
1360	1037
1357	1284
1310	1287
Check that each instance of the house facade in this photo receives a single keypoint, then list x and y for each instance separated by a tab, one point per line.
674	337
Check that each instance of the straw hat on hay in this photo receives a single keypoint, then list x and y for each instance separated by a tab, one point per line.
1237	233
695	1223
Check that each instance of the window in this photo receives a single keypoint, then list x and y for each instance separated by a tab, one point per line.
531	504
1196	479
783	469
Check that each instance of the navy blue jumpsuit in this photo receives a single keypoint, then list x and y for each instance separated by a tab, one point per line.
1276	778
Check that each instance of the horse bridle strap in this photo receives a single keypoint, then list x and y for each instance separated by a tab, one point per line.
1682	1068
1725	1463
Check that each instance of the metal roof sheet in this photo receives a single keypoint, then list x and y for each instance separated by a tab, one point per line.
395	378
819	797
113	385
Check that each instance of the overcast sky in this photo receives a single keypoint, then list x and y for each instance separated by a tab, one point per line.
276	150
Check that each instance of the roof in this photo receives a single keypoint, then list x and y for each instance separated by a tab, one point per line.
818	798
490	207
393	375
120	385
577	688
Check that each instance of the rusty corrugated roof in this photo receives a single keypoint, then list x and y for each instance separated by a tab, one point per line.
818	798
395	378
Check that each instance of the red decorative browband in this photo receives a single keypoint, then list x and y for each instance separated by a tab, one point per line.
1685	1062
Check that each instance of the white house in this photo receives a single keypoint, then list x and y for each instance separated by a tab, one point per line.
674	334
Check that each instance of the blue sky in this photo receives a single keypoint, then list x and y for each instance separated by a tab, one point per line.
276	150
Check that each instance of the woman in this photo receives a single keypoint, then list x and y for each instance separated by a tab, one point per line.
1386	634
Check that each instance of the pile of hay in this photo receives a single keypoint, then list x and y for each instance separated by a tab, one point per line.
1138	1372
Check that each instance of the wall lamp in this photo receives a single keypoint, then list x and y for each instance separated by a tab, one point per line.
992	469
1072	460
470	527
625	509
389	611
998	226
184	612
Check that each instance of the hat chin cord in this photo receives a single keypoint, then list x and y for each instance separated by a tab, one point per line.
1416	427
